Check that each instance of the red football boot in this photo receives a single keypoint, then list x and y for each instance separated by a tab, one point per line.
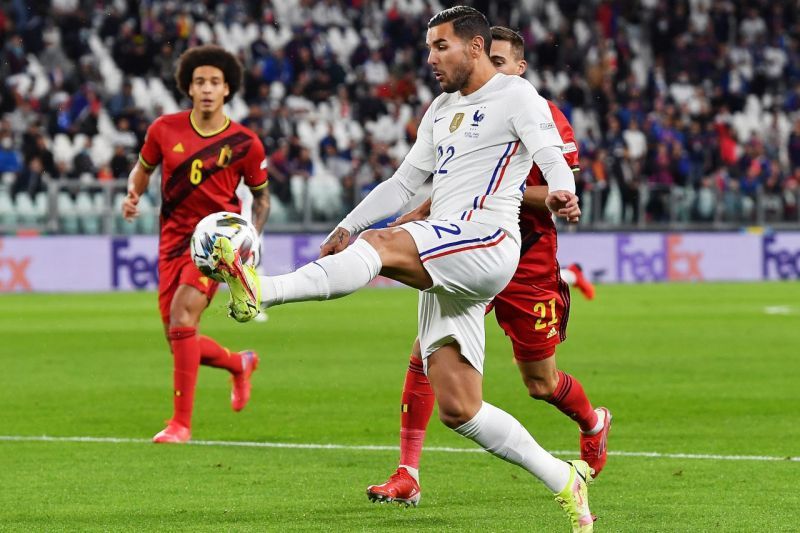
240	393
593	447
401	488
583	284
174	433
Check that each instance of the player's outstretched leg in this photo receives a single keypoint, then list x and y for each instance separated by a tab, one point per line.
240	392
242	280
574	499
593	446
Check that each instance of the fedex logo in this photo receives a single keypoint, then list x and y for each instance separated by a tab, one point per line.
656	258
781	262
131	269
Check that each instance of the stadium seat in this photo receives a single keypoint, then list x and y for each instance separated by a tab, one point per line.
25	209
67	213
146	223
325	196
278	212
121	226
8	216
298	184
87	213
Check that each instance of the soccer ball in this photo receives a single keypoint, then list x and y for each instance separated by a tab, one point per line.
241	232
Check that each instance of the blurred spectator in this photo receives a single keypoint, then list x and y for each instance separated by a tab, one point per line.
30	180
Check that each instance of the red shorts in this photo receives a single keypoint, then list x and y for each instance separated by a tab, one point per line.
180	271
534	316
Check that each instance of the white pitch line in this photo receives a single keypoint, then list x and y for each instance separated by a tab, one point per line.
310	446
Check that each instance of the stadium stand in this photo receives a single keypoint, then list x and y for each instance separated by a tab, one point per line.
688	112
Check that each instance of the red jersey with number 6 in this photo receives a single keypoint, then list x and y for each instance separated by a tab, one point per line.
199	173
539	246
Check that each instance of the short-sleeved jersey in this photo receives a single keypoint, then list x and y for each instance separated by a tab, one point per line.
199	173
479	148
539	241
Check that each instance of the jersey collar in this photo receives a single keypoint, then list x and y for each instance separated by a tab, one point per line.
211	133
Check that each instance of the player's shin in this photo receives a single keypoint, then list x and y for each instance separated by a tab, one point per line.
503	436
415	413
327	278
186	355
570	398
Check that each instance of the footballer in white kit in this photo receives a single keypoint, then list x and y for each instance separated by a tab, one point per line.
478	140
479	148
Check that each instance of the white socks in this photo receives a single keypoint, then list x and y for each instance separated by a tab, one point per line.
330	277
503	436
569	276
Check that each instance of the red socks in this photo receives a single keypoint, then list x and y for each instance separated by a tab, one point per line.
570	399
212	354
186	357
416	410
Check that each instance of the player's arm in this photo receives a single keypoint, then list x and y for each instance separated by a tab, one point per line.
260	208
535	197
256	178
384	200
421	212
138	180
392	194
533	122
561	198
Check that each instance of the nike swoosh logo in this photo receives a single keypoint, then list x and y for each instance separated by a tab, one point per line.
438	119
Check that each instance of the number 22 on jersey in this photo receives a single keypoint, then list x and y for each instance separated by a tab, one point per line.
450	151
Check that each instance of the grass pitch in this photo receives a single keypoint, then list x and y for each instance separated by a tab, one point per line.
707	370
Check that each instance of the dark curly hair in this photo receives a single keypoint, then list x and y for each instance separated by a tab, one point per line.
212	56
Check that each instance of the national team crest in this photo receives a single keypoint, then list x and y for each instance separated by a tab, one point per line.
224	156
477	117
456	122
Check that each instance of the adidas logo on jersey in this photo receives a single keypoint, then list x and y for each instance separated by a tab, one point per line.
553	331
178	148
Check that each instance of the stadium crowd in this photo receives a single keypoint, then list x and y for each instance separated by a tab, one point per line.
695	104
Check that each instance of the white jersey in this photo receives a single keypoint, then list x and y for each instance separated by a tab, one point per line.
479	148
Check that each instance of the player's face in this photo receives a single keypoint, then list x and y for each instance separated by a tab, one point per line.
449	57
208	89
502	56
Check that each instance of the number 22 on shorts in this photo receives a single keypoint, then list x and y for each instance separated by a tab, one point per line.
541	309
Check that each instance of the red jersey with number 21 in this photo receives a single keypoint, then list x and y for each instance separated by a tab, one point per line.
539	245
199	173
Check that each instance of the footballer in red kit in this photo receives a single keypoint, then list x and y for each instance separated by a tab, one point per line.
203	156
532	310
199	172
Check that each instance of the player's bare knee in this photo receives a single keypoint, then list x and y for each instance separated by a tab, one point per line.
182	317
376	238
454	418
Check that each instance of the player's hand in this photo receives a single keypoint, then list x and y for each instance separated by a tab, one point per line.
564	204
338	240
422	212
130	209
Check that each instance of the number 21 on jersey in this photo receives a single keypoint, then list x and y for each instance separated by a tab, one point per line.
541	309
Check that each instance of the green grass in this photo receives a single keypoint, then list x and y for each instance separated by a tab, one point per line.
695	369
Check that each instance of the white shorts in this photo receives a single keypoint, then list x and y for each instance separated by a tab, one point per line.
470	263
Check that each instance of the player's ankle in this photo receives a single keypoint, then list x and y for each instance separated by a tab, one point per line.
413	472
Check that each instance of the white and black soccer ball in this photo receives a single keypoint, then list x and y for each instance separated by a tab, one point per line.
241	232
